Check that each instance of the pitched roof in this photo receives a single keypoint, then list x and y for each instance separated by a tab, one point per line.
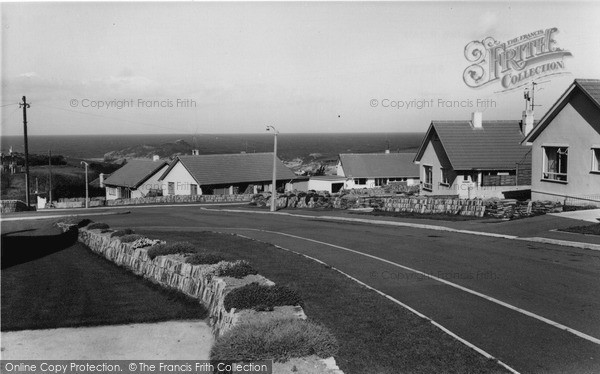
134	173
589	87
232	168
379	165
495	146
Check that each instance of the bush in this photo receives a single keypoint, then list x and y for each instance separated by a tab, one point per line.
98	226
76	221
145	242
105	231
238	269
163	249
121	233
254	294
204	258
279	340
130	238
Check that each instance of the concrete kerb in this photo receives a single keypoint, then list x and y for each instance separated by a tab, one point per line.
567	243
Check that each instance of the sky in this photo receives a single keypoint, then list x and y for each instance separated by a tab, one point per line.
302	67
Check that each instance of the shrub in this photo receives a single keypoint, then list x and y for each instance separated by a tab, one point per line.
254	294
75	221
105	231
204	258
121	233
98	226
279	340
238	269
145	242
163	249
130	238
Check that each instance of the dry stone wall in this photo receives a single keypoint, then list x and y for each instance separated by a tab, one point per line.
170	199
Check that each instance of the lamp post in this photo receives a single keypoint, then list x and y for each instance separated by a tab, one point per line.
274	189
87	200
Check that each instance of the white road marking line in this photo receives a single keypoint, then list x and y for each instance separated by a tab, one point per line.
419	314
489	298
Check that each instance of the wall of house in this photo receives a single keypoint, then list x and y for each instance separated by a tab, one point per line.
569	128
435	157
151	184
182	181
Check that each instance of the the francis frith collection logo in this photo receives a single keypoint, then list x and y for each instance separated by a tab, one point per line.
515	62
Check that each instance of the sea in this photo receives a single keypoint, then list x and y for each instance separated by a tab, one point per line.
290	146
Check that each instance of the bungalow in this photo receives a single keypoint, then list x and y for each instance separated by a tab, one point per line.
368	170
475	158
137	178
566	147
224	174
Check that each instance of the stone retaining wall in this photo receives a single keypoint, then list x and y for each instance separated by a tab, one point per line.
11	206
181	199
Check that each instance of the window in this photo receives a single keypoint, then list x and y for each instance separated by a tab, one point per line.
428	177
193	189
360	181
555	163
596	160
380	182
171	188
112	191
445	177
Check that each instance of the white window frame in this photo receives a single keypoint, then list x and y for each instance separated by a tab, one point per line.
555	176
171	188
428	171
445	180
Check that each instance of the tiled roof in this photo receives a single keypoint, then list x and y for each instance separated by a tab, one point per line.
589	87
495	146
379	165
232	168
134	173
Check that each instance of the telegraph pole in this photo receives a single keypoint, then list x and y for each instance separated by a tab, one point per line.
25	105
50	175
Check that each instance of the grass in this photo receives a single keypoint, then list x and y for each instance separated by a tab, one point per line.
278	340
376	336
71	286
593	229
433	216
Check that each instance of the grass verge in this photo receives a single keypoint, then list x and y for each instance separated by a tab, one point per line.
376	335
593	229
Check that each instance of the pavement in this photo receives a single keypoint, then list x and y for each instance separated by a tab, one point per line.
172	340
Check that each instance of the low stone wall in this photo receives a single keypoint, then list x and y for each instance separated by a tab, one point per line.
509	208
181	199
11	206
497	208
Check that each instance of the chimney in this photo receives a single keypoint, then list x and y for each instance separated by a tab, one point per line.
101	176
155	158
477	120
387	151
195	152
527	122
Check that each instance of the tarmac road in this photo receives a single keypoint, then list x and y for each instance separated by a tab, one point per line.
504	296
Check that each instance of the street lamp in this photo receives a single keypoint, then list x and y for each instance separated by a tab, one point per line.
87	200
274	192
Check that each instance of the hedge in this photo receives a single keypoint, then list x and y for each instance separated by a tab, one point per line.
170	249
278	340
254	295
98	226
204	259
130	238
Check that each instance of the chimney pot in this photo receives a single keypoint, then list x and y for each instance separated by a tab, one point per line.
155	158
477	120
